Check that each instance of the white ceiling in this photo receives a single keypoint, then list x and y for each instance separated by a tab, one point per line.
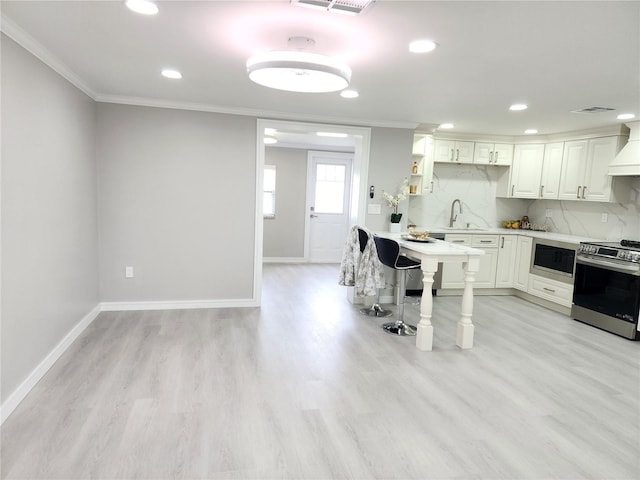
554	56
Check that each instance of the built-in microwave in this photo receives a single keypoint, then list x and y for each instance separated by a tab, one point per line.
553	259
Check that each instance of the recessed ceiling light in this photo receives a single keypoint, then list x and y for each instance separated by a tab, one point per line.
332	134
626	116
270	131
170	73
349	94
516	107
531	131
422	46
144	7
446	125
270	140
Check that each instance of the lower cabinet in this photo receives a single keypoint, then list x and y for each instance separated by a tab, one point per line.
505	271
522	263
552	290
452	273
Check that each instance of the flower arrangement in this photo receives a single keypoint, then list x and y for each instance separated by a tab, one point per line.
394	200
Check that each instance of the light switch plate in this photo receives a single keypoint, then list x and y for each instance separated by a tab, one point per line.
128	272
605	218
373	209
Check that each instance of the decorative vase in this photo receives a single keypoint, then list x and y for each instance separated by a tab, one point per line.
394	227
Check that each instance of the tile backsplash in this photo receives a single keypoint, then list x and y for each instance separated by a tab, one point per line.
475	186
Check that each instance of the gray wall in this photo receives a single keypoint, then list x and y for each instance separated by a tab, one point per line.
284	235
177	202
49	231
390	162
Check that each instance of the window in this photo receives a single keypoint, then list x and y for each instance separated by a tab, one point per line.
330	188
269	192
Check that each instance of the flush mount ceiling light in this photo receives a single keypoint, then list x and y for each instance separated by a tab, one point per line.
531	131
516	107
298	71
626	116
144	7
349	94
171	73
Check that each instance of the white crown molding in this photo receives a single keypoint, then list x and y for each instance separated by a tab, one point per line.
177	305
203	107
36	375
13	31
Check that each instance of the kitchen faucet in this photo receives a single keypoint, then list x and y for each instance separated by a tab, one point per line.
453	217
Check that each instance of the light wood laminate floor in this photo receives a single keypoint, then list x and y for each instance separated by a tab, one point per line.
306	387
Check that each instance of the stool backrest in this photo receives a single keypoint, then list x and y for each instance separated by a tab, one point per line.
388	251
363	238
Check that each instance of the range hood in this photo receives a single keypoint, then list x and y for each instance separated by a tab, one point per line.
627	162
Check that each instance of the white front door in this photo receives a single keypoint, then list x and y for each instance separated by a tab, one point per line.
328	197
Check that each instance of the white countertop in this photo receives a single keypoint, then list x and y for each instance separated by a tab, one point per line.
434	247
560	237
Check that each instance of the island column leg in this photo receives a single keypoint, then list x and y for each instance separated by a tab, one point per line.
464	338
424	335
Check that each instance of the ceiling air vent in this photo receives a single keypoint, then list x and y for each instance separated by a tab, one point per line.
340	6
593	110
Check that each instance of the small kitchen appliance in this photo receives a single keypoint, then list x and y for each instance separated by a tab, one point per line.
607	286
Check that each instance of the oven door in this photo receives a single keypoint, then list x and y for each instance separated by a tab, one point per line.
607	295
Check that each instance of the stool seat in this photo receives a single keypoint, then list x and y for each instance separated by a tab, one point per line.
390	256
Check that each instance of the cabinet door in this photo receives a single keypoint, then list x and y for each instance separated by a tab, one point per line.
551	170
464	152
502	154
452	273
526	171
483	153
523	261
574	162
597	184
444	151
505	271
486	276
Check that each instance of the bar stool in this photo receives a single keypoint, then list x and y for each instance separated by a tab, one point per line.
375	310
389	254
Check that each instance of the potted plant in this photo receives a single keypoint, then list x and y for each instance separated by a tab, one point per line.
393	201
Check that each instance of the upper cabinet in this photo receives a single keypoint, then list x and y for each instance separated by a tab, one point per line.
584	169
493	153
571	170
453	151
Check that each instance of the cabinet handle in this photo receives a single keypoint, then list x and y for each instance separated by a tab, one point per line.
512	187
584	192
486	241
457	241
431	191
578	193
502	246
549	289
541	190
457	154
452	154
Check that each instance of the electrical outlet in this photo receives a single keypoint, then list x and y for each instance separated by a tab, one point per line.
128	272
548	213
605	218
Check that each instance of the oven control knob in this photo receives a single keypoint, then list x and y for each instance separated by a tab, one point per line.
634	256
624	255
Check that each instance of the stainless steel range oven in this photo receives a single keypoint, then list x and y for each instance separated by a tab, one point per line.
606	291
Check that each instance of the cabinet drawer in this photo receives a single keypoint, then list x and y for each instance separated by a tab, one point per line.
552	290
488	241
458	239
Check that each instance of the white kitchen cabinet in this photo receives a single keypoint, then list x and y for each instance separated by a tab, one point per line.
423	160
452	273
584	169
493	153
526	171
551	170
453	151
505	269
522	263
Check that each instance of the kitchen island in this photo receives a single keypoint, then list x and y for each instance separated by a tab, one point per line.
430	253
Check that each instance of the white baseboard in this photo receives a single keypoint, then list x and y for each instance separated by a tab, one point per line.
34	377
178	305
284	260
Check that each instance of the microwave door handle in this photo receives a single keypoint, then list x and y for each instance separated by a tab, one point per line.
630	269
